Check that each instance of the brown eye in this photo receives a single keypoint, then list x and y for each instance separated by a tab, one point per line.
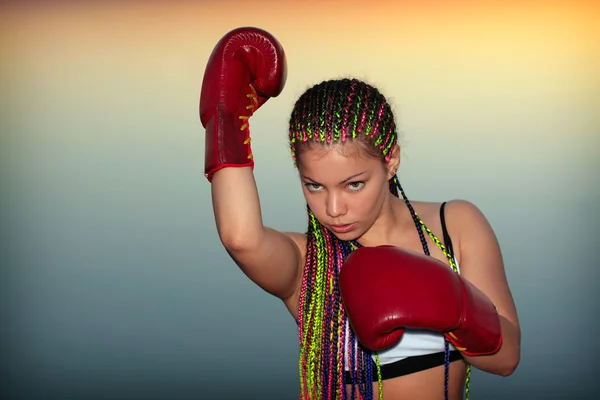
356	186
313	187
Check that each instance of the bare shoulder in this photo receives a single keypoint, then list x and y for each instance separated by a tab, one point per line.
467	221
430	209
463	208
466	224
475	238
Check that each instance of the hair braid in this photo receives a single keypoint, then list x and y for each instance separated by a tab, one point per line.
331	112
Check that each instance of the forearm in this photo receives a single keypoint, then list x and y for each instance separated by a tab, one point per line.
506	360
236	207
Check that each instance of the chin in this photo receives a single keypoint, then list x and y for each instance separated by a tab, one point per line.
348	236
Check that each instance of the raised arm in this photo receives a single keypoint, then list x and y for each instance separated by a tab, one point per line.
245	69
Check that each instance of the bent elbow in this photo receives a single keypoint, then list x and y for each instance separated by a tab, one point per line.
507	372
510	367
237	242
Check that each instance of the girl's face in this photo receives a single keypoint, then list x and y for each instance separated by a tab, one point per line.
344	187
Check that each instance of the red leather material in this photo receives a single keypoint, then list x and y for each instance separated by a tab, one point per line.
386	289
243	57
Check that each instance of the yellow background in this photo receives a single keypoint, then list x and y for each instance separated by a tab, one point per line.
113	280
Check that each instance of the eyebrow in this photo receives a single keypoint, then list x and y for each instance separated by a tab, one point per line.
344	181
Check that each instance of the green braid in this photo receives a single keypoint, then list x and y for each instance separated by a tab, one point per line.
331	112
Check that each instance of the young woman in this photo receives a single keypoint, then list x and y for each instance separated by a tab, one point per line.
382	304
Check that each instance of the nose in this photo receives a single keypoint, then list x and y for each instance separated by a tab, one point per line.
336	206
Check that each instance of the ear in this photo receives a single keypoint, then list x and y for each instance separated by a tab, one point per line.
394	163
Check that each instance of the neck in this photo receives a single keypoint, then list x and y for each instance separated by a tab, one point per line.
391	224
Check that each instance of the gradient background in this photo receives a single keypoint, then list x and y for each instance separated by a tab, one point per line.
114	284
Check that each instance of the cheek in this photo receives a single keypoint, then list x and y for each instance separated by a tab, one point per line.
370	203
367	205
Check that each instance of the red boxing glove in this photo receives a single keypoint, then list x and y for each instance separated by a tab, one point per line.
245	69
385	289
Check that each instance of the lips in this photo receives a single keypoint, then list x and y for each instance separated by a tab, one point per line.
342	228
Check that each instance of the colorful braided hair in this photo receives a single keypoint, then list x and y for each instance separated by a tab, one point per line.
331	112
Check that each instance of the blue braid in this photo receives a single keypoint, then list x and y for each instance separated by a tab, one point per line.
397	190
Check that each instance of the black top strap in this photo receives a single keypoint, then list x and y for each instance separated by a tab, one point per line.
447	241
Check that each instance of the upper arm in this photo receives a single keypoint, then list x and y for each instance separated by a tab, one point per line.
480	257
273	261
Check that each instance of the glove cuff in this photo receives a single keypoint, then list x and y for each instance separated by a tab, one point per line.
479	332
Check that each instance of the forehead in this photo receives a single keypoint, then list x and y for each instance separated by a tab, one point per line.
334	164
